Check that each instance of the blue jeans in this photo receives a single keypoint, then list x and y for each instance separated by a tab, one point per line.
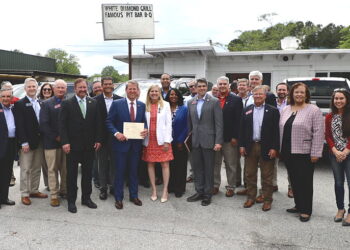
340	170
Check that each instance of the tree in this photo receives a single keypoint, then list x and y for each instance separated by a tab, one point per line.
65	63
112	72
345	38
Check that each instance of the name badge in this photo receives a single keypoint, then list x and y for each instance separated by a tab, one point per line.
248	112
57	106
29	104
1	110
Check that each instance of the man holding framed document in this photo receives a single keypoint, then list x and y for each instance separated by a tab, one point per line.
126	121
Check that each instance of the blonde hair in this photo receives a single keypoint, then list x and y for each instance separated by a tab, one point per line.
148	99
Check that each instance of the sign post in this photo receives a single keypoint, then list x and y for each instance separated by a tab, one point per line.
127	22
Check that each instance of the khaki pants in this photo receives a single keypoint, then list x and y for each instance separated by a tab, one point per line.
252	161
30	164
56	163
230	155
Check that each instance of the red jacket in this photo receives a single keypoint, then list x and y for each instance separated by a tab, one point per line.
328	132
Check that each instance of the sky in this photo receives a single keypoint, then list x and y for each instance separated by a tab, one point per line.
74	25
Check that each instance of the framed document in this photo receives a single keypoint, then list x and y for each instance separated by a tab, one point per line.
132	130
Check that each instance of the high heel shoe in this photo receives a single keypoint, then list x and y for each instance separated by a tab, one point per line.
162	200
339	219
154	198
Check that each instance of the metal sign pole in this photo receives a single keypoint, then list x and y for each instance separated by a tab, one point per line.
130	59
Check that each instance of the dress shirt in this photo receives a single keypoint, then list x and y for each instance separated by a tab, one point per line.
10	121
108	101
200	103
36	106
84	101
258	116
222	99
135	106
282	105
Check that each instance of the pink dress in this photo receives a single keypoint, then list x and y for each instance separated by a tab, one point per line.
153	152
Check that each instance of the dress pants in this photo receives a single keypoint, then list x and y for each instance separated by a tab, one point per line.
105	166
301	174
178	170
126	162
252	161
85	158
30	164
203	168
6	164
56	161
45	171
230	155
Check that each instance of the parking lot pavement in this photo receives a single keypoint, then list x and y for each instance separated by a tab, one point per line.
176	224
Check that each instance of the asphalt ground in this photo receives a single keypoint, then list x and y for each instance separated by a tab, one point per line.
176	224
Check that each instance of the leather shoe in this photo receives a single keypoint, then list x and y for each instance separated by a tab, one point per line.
275	188
72	207
54	202
89	203
38	195
304	218
259	199
248	203
206	202
118	204
242	192
266	206
189	179
290	193
103	195
215	190
292	210
195	197
26	200
229	193
8	202
178	195
345	223
136	201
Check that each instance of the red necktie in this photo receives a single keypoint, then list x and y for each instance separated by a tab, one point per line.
132	112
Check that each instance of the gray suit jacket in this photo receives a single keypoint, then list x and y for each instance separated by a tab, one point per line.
208	129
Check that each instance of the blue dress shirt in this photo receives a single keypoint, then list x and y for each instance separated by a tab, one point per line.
200	103
10	121
258	116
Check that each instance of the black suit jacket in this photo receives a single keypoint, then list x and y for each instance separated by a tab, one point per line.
49	123
232	117
269	130
80	133
271	99
102	109
27	124
3	132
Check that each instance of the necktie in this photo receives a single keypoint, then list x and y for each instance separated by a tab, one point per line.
82	107
36	108
132	112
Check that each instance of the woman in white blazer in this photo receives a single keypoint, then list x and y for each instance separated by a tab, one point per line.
158	142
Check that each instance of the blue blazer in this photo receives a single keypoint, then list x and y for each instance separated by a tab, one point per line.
118	114
180	130
4	132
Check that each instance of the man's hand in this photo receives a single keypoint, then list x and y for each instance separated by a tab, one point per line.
217	147
144	133
234	142
272	153
58	138
314	159
242	151
121	137
166	147
66	148
25	149
180	146
97	146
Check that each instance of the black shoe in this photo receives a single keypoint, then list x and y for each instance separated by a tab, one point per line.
118	204
103	195
89	203
304	219
206	201
195	197
8	202
72	207
292	210
178	195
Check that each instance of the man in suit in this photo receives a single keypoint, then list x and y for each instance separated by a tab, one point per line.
165	81
80	132
104	155
29	137
54	155
126	151
231	106
259	144
205	121
7	145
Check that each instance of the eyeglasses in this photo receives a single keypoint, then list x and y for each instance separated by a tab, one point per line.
192	86
339	89
47	89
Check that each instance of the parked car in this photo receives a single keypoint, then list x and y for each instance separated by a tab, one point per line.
321	89
182	85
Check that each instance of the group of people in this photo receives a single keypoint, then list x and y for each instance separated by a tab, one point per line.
59	134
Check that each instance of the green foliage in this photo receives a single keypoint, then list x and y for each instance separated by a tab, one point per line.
311	36
345	38
65	63
111	71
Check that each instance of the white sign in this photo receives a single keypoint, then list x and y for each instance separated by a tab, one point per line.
127	21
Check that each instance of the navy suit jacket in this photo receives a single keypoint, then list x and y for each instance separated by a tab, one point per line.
3	132
49	123
102	109
232	112
118	114
269	130
27	125
180	130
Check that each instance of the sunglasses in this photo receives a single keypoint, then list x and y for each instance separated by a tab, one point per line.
46	89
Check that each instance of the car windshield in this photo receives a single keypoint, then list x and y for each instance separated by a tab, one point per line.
143	84
322	87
